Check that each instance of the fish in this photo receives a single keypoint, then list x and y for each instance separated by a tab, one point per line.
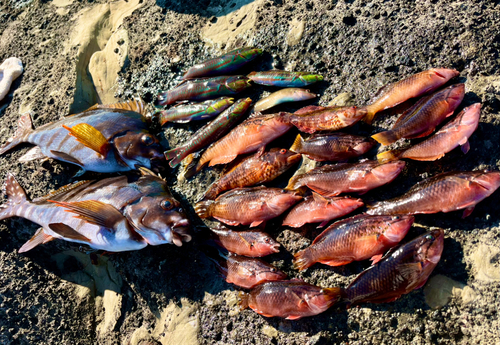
245	242
113	214
354	239
204	89
246	272
421	119
332	146
402	270
281	78
247	206
283	96
210	132
314	118
223	64
184	113
331	180
105	138
445	192
289	299
318	209
413	86
455	133
249	136
259	168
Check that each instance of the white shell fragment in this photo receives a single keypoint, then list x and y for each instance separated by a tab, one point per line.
10	69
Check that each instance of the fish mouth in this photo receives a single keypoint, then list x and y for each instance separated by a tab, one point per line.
294	158
276	247
180	233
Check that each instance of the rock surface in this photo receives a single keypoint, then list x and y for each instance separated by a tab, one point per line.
168	295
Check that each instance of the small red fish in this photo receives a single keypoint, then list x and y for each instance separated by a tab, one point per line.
445	192
354	239
331	180
247	272
316	209
247	206
401	271
247	243
290	299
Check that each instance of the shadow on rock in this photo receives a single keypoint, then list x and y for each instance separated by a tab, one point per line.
205	8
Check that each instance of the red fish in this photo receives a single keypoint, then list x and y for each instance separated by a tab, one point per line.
401	271
247	243
316	209
445	192
455	133
413	86
250	136
247	272
247	206
354	239
292	299
421	119
331	180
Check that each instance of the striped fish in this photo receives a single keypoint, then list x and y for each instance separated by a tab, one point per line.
104	138
112	214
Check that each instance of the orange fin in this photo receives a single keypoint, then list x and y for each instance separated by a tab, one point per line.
335	262
136	104
62	190
297	144
385	138
93	211
293	317
222	159
68	232
256	223
387	156
320	199
90	137
38	238
467	211
376	258
245	241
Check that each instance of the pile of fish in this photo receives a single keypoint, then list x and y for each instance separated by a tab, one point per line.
130	212
242	205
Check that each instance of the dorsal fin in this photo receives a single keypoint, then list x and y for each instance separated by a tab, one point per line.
63	190
136	104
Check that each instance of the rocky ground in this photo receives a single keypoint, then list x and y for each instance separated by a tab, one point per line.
77	53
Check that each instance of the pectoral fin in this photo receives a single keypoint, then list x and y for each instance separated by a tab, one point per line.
68	232
90	137
66	158
39	237
93	211
465	146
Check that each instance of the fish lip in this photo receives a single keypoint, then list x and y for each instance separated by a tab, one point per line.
276	247
294	158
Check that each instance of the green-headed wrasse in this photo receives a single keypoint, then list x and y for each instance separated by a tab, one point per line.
183	113
284	78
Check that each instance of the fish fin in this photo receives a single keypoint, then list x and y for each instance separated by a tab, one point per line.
136	104
320	199
409	271
256	223
24	128
68	232
162	98
323	192
260	151
66	158
365	243
297	144
303	259
245	241
62	190
90	137
308	109
370	115
293	183
303	128
465	146
33	153
388	156
15	197
243	300
333	294
222	159
376	258
202	208
385	138
146	172
93	211
293	317
335	263
226	221
39	237
467	211
323	223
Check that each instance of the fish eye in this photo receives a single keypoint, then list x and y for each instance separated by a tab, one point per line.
283	151
273	269
267	239
166	205
396	218
147	139
429	237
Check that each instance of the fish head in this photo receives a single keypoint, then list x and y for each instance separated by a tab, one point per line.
311	78
319	301
388	171
250	54
429	247
283	200
489	180
138	149
444	73
350	115
454	94
470	115
285	157
397	227
269	274
238	83
364	146
264	243
219	105
157	216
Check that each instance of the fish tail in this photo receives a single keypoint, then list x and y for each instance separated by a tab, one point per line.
370	115
203	208
385	138
162	98
333	295
211	193
303	259
243	300
175	156
388	156
297	144
293	183
15	197
24	127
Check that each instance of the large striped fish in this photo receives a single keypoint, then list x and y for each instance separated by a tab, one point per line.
104	138
114	214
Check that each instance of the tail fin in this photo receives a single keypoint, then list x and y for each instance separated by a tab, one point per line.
243	300
175	156
297	144
333	295
162	99
24	127
386	138
370	115
16	196
303	260
388	156
202	208
293	183
211	193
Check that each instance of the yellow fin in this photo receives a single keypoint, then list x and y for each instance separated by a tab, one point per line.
387	156
90	137
62	190
297	144
136	104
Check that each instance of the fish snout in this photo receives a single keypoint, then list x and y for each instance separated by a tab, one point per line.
180	232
